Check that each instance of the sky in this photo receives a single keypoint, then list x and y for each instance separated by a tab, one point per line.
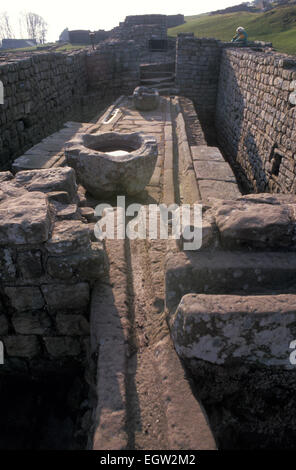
96	14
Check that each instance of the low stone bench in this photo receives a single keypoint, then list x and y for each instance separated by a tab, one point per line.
214	175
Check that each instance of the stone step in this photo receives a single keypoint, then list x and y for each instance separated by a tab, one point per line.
144	74
156	81
227	272
262	329
162	86
165	67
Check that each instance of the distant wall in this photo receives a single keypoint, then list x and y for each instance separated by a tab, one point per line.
175	20
255	122
82	36
197	72
18	43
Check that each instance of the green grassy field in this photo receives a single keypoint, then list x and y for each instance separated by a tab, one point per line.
277	26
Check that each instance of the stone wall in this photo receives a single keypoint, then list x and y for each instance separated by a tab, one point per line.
197	73
48	263
40	94
255	121
113	68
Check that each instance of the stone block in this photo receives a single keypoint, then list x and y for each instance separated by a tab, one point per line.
61	297
36	323
25	219
217	171
7	265
90	264
258	225
3	324
68	237
62	346
72	325
30	264
218	189
225	329
22	346
25	298
49	180
226	272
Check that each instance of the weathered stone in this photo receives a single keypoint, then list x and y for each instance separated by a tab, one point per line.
218	171
72	325
22	346
5	176
230	329
226	272
205	153
218	189
25	219
65	211
61	297
112	163
257	225
25	298
145	99
27	323
30	264
59	196
90	264
7	266
62	346
3	324
49	180
68	237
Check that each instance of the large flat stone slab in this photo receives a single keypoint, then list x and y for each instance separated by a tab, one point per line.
217	171
25	219
226	272
48	180
205	153
263	225
225	329
218	189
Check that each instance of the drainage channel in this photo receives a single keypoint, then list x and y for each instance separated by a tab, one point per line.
145	400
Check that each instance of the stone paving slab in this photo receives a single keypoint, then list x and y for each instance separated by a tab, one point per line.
222	328
49	152
218	189
217	171
205	153
227	272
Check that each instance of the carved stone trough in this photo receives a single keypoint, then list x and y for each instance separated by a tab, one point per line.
111	163
145	99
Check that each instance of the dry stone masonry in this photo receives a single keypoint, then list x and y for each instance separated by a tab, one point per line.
113	313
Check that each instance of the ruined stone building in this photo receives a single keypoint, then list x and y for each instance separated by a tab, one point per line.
142	339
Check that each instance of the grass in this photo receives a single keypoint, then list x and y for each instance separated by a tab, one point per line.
277	26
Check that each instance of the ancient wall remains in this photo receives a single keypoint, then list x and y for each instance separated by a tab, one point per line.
40	94
175	20
48	263
254	119
197	72
113	68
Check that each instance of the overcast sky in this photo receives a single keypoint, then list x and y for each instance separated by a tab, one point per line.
96	14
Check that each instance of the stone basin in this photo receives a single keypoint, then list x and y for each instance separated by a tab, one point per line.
145	99
111	163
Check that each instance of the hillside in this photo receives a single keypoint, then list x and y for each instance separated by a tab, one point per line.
277	25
